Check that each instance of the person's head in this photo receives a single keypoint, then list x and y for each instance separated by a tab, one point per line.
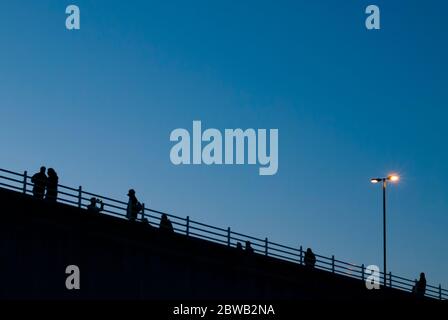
309	250
51	172
131	193
164	217
422	275
42	169
247	244
93	201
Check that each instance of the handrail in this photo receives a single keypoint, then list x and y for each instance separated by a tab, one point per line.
284	247
11	172
208	226
249	237
227	237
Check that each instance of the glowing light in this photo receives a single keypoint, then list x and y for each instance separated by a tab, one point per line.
393	178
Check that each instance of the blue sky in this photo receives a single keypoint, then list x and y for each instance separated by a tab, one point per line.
99	105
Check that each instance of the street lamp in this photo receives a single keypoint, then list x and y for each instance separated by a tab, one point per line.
391	178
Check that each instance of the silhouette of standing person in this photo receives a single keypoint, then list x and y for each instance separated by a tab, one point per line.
310	258
134	207
40	182
52	185
165	224
420	286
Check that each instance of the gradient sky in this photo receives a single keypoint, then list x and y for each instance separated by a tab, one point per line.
99	105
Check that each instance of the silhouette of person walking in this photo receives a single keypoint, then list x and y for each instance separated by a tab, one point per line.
52	185
420	286
134	207
40	183
92	206
310	258
165	224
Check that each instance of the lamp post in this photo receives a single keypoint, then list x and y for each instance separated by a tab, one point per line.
391	178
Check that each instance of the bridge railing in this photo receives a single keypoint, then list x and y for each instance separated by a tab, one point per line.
21	182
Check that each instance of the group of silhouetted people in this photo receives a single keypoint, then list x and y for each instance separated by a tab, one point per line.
248	247
310	258
45	184
135	207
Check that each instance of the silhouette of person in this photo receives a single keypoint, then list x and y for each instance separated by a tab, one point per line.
310	258
239	246
40	183
420	286
52	185
249	248
92	206
165	224
134	207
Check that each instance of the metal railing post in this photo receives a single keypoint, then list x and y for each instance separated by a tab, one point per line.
228	236
390	279
266	246
440	291
79	196
362	272
25	176
187	231
332	263
301	255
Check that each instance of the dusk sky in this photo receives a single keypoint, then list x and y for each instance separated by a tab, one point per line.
98	104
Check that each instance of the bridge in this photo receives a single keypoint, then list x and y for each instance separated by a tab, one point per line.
210	242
